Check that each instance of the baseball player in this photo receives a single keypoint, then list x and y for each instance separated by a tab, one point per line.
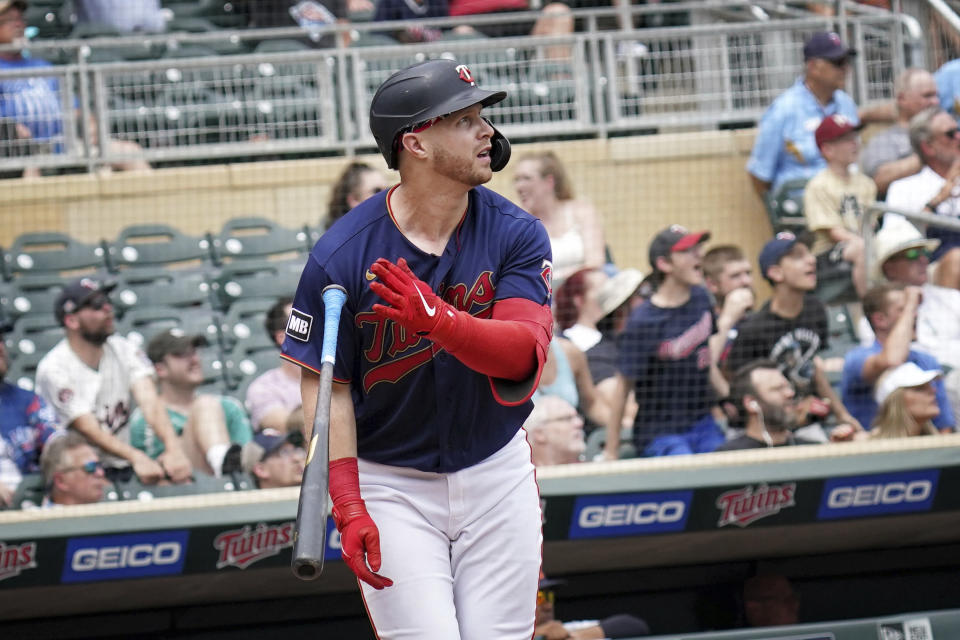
441	343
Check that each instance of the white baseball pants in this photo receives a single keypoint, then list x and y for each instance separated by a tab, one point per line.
463	549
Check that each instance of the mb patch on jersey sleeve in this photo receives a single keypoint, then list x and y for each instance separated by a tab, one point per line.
299	325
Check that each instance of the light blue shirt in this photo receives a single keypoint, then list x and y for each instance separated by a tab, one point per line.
948	86
785	147
126	16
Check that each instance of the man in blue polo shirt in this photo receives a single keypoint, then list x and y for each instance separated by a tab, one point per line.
785	148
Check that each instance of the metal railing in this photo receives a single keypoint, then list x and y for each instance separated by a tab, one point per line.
590	83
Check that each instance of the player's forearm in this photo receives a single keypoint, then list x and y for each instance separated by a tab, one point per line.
343	423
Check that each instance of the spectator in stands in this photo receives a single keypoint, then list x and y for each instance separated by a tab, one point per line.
936	188
947	78
889	156
591	310
91	378
566	374
785	149
212	429
834	200
892	313
574	226
770	601
908	403
358	182
72	473
276	459
729	278
768	403
35	103
273	398
902	257
311	15
419	9
547	627
126	16
554	431
555	19
790	329
26	423
665	358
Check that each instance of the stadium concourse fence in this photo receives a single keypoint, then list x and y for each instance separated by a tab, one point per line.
722	68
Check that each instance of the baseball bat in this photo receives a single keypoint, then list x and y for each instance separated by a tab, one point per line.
310	532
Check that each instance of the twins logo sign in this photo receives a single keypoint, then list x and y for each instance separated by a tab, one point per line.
15	558
748	504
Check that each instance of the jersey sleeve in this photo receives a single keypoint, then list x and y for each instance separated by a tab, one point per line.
303	343
56	387
527	269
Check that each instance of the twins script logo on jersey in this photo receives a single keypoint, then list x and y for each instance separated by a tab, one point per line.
242	547
746	505
15	558
546	272
390	340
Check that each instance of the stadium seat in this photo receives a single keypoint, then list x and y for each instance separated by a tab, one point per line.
159	287
36	335
52	252
34	294
249	279
140	324
249	358
244	319
597	440
253	237
156	244
785	207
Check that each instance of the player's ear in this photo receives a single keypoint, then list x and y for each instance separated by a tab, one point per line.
413	144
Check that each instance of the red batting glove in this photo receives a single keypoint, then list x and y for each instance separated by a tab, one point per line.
413	304
359	536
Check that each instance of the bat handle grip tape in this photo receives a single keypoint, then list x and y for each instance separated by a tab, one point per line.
334	297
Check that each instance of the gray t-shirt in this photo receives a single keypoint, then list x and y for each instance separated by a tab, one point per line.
887	146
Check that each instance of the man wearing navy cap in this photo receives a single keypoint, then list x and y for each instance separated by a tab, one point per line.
785	148
276	459
665	358
790	329
91	379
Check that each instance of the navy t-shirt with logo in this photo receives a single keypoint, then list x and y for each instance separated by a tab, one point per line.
664	352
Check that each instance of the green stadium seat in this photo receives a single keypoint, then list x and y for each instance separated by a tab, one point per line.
255	237
156	244
244	319
159	287
249	279
785	207
34	294
140	324
597	440
29	492
52	252
36	334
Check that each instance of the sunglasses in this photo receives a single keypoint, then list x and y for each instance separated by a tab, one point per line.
96	303
914	254
545	596
950	133
89	468
842	62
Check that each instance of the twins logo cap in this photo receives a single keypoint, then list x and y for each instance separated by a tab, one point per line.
828	46
674	238
77	293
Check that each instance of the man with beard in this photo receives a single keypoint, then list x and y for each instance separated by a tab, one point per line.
91	377
441	343
790	329
26	423
768	403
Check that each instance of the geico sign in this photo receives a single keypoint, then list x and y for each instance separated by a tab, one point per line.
618	515
136	555
872	494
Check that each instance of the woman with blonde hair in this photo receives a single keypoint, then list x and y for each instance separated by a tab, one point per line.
574	226
908	403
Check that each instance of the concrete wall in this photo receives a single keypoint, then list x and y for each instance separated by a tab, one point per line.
639	184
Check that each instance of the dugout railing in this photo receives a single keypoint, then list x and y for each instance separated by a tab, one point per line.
714	72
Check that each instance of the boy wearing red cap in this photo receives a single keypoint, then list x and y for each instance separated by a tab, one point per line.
834	200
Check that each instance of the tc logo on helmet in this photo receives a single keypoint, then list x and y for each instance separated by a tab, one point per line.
464	72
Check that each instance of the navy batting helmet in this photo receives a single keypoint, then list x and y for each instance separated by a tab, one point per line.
424	91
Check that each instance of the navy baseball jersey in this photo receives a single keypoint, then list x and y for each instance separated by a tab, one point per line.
415	404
